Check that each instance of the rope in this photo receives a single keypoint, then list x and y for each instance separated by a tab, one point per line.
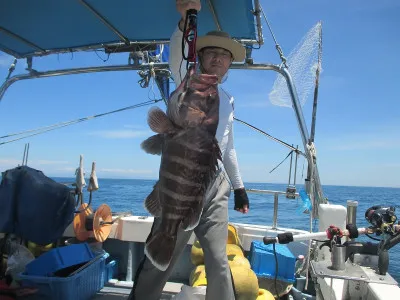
281	162
64	124
277	46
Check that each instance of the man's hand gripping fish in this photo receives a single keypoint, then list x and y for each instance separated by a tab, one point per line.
190	152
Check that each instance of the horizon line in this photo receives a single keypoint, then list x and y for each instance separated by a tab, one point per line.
245	182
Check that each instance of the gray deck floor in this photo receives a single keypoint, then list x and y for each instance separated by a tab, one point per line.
120	290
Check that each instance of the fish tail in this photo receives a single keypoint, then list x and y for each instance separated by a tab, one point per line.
159	249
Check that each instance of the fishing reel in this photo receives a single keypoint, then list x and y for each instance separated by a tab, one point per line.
382	219
99	223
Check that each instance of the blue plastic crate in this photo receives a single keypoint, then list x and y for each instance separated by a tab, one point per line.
262	261
82	285
59	258
111	270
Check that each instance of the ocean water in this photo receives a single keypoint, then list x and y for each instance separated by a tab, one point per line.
127	195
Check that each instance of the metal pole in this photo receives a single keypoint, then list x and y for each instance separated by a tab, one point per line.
295	166
290	167
296	107
313	184
21	39
275	218
351	213
258	21
52	73
312	176
314	112
23	157
26	157
106	22
129	272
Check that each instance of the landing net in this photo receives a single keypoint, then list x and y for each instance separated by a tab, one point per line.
302	62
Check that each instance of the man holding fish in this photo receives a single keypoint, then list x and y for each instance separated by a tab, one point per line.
195	140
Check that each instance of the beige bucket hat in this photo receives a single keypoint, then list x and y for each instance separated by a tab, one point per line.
223	40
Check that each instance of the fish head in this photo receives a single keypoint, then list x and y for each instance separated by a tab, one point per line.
198	102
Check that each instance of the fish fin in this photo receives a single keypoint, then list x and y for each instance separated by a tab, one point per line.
159	121
217	150
153	144
216	155
193	218
159	250
152	202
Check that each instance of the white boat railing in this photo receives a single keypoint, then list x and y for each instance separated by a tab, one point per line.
276	201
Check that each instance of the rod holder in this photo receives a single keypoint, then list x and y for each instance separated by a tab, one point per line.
338	257
351	213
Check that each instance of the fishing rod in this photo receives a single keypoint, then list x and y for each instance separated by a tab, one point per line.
41	130
296	150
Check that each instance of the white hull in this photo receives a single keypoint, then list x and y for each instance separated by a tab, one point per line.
133	231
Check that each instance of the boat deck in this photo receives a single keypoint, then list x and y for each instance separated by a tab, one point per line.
120	290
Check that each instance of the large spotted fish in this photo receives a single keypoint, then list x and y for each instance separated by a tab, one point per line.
189	152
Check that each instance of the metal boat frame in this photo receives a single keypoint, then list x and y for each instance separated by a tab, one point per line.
312	181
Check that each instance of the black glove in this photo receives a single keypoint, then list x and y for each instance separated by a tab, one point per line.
241	199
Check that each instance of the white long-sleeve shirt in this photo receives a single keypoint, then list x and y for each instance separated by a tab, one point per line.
224	133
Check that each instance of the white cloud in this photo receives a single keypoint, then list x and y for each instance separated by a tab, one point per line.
364	144
51	162
67	169
12	163
121	134
9	163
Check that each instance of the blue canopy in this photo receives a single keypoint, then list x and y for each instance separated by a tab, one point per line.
29	28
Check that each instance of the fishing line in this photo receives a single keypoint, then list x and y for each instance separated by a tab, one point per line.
281	162
102	59
271	137
64	124
372	238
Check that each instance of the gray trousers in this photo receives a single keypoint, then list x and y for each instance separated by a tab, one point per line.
212	232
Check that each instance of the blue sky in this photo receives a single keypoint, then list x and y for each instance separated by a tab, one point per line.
357	133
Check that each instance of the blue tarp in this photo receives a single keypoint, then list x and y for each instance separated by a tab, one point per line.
33	206
28	27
